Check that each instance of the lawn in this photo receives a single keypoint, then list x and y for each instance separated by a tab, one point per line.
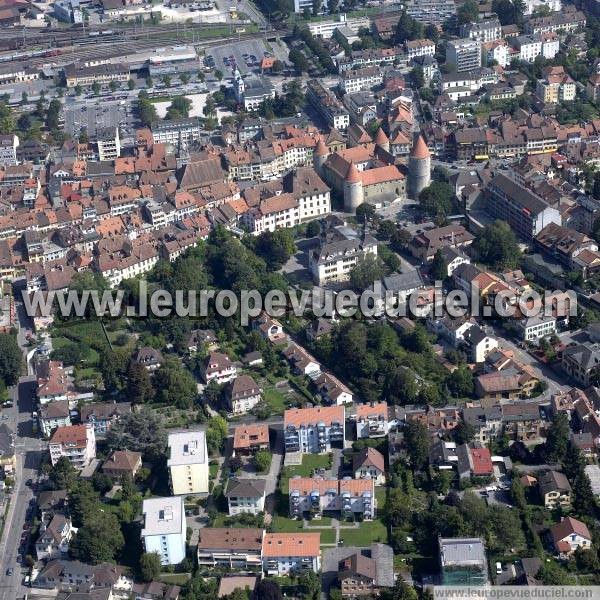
174	578
275	399
213	469
380	498
285	525
367	533
310	462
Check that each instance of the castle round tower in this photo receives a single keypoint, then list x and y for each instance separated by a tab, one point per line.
353	189
419	168
320	155
382	140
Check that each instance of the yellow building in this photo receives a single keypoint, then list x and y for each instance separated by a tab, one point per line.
188	462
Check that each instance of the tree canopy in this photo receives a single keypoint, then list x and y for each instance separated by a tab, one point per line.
498	247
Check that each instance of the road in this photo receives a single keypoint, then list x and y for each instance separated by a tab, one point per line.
28	451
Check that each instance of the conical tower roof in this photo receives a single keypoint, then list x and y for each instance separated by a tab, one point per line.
353	174
420	149
321	149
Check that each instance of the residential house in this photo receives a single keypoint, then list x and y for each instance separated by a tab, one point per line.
424	245
122	463
217	367
77	443
369	463
569	535
248	439
372	420
555	489
332	390
363	572
313	430
52	381
235	548
199	338
103	415
480	343
52	415
487	421
535	328
474	461
54	538
245	496
242	395
270	329
463	562
302	362
148	357
188	462
453	257
164	528
523	422
318	328
582	362
284	553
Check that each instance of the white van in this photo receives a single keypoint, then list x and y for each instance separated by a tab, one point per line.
498	568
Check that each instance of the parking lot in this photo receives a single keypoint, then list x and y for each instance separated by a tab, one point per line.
247	56
94	115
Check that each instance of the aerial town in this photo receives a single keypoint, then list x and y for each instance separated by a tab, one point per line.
421	150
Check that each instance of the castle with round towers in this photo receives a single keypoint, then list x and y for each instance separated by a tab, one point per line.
367	173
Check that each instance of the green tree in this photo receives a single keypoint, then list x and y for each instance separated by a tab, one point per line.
400	591
262	461
275	247
139	384
216	434
267	589
96	88
460	382
468	12
401	386
130	84
101	482
98	540
7	122
53	114
180	107
464	432
313	229
166	80
175	385
299	61
142	431
310	583
417	77
210	107
437	199
408	29
146	111
497	246
78	90
113	86
439	267
218	74
10	359
365	272
417	442
184	78
63	474
113	367
149	566
149	82
557	438
24	99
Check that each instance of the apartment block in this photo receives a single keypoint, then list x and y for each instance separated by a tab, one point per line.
372	420
235	548
526	212
77	443
326	102
349	497
283	553
464	54
245	496
489	30
313	430
358	80
164	527
188	462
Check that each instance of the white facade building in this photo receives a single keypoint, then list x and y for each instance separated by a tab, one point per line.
164	528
